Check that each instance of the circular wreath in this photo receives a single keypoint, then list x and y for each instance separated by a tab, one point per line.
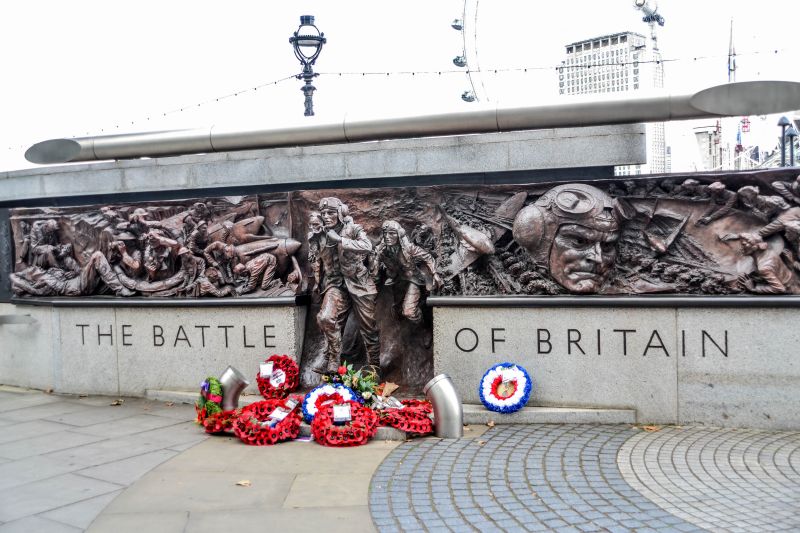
251	426
505	388
362	426
271	389
219	422
210	400
413	419
328	393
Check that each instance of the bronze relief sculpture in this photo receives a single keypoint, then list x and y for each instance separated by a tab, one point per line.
638	236
371	257
178	249
345	284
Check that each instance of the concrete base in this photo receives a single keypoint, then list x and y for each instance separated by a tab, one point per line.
125	351
717	366
477	414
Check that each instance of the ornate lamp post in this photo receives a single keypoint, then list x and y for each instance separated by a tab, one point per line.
783	123
791	133
307	42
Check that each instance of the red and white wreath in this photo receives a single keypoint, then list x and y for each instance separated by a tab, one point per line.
283	378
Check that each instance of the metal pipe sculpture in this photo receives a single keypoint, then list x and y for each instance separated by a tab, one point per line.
733	99
448	414
233	384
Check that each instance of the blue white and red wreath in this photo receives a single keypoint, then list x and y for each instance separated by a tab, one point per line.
505	388
328	391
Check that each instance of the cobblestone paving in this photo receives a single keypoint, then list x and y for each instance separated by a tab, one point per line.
535	478
720	479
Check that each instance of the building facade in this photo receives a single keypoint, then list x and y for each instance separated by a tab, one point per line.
618	63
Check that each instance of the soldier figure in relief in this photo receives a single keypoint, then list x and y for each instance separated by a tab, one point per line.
345	281
409	269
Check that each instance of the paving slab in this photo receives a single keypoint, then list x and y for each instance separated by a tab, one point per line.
151	522
37	524
43	444
330	520
20	398
50	409
48	494
81	514
127	471
202	491
108	451
40	486
30	469
34	428
135	423
327	490
88	415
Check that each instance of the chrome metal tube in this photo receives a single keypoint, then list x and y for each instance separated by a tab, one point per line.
448	414
733	99
233	384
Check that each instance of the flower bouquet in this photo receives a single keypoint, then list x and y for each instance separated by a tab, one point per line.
363	381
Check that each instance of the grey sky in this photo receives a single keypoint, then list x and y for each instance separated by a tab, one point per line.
92	67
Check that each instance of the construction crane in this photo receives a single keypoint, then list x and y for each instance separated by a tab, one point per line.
651	17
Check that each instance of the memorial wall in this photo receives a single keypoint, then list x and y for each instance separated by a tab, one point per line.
671	295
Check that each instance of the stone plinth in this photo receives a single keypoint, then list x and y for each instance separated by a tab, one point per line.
128	350
724	367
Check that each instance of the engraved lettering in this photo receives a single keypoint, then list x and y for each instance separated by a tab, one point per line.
540	341
705	335
660	344
571	341
225	329
83	334
625	338
266	342
158	335
495	339
203	334
458	335
110	334
180	335
126	334
244	338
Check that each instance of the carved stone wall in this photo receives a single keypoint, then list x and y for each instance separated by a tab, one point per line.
370	257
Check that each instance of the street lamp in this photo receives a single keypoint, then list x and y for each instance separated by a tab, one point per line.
307	42
791	133
783	123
